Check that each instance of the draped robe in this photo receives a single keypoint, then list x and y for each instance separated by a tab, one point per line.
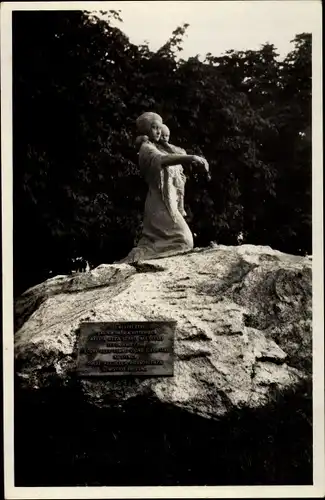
165	232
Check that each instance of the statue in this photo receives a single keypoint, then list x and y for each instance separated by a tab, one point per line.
165	231
176	171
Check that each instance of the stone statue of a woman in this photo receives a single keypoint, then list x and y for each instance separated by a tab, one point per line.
165	232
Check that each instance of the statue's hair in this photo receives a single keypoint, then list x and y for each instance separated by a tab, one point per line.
164	128
144	121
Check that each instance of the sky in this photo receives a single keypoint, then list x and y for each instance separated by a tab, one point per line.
216	26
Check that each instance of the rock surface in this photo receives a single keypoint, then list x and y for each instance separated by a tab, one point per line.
244	327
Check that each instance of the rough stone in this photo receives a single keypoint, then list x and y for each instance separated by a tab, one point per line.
244	327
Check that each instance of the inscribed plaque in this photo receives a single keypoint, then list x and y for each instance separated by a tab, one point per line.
126	348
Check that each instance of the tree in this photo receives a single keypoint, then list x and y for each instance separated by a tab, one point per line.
76	95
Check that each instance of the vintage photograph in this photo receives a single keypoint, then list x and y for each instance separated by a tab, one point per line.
162	244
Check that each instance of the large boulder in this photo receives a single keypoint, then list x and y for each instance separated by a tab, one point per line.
243	334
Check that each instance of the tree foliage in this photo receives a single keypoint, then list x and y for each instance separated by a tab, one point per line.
79	85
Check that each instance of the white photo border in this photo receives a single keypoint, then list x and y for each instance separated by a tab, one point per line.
316	490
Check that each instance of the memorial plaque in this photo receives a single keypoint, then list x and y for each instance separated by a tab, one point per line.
126	348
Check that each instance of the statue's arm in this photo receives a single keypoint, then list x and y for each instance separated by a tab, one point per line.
151	156
176	159
184	159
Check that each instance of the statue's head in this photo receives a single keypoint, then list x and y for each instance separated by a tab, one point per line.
150	124
165	134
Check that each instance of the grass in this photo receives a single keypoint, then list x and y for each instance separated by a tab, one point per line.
60	441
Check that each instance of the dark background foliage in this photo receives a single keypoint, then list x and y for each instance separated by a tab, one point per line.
78	86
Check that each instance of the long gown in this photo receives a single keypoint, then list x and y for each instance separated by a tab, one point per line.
165	231
178	177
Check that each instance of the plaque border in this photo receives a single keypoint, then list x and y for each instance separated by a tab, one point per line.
118	375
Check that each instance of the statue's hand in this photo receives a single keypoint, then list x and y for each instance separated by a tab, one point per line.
206	165
199	160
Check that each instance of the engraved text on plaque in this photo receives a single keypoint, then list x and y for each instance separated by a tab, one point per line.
126	348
